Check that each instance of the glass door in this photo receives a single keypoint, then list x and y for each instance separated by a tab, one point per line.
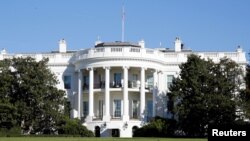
135	109
117	108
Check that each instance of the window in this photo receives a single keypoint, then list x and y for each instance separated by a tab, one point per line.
85	108
135	77
169	80
149	109
100	108
135	109
67	82
117	79
117	108
150	81
85	82
134	80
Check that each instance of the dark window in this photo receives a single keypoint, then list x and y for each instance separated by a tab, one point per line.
169	80
85	108
67	82
117	79
117	108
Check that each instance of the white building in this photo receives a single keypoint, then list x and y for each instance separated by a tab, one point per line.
116	87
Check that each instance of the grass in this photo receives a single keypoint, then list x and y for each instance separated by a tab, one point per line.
94	139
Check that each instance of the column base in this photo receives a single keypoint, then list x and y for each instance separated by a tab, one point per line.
125	117
142	117
106	118
89	118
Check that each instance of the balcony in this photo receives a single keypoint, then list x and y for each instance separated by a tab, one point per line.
133	84
118	84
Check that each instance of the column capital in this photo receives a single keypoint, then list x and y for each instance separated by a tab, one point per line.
125	67
79	70
155	70
160	71
106	67
89	68
144	68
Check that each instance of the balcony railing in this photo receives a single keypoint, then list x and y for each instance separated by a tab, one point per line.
152	54
116	85
101	85
131	84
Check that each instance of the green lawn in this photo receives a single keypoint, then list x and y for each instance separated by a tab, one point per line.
93	139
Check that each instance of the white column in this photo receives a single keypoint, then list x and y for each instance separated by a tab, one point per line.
80	102
142	94
160	78
106	116
160	111
155	91
125	116
91	94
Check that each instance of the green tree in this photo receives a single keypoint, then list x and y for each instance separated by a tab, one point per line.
205	94
245	95
8	111
30	87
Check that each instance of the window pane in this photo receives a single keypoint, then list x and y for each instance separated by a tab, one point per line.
149	108
67	82
135	107
85	108
100	108
169	80
150	81
117	108
117	79
85	82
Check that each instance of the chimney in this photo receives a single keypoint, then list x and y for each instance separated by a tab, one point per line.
3	51
142	44
97	42
177	45
239	49
62	46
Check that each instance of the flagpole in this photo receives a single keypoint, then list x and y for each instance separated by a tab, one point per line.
123	22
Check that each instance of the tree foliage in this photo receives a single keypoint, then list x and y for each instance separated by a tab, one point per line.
158	127
245	95
29	98
29	88
73	127
206	94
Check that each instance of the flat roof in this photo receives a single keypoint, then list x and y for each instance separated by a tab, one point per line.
116	44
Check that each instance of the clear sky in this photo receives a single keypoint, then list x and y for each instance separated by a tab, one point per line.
203	25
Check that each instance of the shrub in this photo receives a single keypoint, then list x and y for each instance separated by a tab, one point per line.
12	132
158	127
75	128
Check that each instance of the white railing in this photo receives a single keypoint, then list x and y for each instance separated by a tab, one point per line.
116	49
131	52
151	54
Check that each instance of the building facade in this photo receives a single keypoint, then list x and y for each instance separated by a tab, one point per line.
116	87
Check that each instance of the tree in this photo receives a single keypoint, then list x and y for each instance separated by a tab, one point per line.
205	94
245	95
8	111
28	88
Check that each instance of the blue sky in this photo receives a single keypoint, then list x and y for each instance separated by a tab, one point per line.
203	25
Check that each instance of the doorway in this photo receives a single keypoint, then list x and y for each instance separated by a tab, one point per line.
97	131
115	133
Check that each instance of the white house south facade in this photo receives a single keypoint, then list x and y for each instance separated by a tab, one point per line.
115	87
